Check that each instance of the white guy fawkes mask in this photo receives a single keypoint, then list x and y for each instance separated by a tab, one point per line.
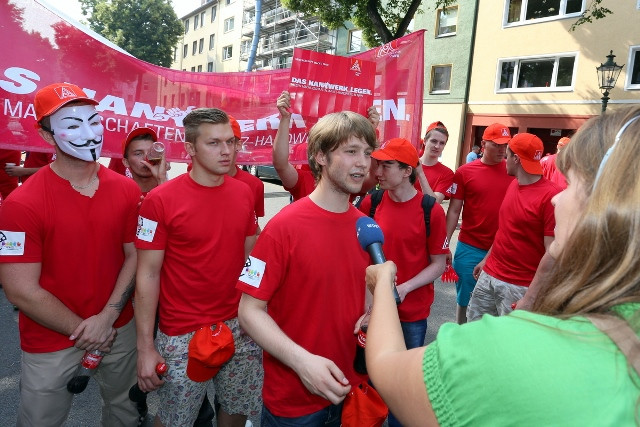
78	131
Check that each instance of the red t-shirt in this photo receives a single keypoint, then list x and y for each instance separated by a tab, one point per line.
35	159
202	231
551	172
305	184
482	188
257	187
117	166
526	217
406	244
77	239
313	280
8	183
439	178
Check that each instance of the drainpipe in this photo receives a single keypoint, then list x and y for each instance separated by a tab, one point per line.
256	35
466	94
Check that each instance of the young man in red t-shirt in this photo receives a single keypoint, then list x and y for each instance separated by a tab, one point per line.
194	234
433	177
420	260
480	187
526	229
303	284
67	261
134	153
549	169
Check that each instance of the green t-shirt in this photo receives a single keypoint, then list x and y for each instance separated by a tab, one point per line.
526	369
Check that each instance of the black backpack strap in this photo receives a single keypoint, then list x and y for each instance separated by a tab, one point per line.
376	198
427	204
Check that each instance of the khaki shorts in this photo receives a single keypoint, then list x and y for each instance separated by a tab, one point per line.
238	385
45	401
493	296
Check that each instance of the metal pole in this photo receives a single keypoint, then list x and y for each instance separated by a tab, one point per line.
605	100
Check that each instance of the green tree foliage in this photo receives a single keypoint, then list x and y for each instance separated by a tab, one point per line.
147	29
594	12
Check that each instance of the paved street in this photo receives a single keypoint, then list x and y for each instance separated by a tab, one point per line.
86	406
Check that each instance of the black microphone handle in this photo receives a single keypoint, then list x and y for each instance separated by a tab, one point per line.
377	256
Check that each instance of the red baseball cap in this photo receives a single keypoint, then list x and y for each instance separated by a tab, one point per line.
529	148
498	133
209	349
235	126
563	141
51	98
137	132
398	149
435	125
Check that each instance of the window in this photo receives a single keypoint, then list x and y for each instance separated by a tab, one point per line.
195	48
355	41
186	26
245	47
212	41
193	69
543	73
196	20
447	21
175	53
214	9
228	2
527	10
228	24
202	19
633	72
201	45
440	79
185	50
199	68
210	67
227	52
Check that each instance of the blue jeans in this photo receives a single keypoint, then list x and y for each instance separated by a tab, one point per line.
414	333
327	417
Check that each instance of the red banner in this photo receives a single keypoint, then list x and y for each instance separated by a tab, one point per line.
322	83
40	48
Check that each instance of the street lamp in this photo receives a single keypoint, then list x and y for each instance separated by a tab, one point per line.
607	77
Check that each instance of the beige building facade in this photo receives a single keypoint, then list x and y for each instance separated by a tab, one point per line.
531	73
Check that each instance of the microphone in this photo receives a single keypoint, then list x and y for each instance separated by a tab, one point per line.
371	239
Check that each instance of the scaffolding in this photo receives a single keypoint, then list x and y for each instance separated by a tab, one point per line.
281	31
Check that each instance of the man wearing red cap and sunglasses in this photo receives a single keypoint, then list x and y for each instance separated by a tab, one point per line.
525	232
434	178
68	263
479	186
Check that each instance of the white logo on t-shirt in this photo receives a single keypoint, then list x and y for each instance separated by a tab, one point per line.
12	242
146	229
453	188
445	245
253	272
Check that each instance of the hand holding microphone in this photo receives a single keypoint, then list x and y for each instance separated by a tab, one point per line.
371	239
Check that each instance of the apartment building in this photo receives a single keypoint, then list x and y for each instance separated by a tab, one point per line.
218	37
211	39
533	74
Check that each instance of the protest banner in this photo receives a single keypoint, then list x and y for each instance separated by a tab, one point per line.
40	48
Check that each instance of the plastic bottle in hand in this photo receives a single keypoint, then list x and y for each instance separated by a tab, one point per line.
86	369
359	363
140	397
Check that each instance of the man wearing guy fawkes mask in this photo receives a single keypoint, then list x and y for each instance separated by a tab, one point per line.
71	264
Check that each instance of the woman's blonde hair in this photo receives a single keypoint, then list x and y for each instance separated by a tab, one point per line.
599	266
